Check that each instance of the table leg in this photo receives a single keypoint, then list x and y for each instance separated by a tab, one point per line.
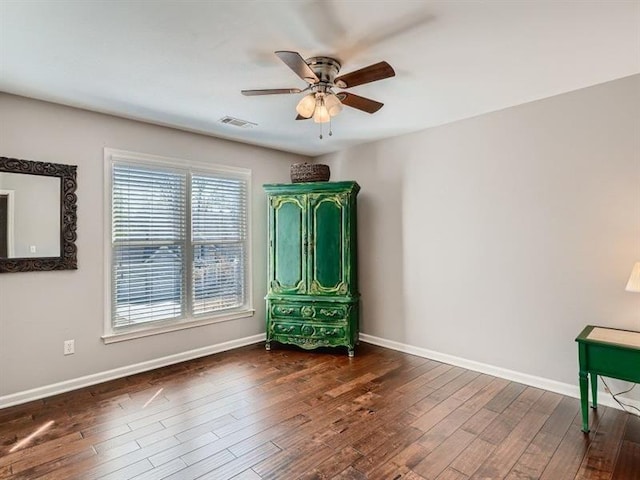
594	390
584	401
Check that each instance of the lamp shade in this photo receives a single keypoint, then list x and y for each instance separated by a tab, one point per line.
633	285
333	104
321	114
306	106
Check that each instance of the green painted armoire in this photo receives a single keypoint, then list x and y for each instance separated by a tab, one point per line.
312	296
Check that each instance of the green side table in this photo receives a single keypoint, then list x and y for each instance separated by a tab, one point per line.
608	352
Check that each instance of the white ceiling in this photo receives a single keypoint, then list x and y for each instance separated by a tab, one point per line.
183	63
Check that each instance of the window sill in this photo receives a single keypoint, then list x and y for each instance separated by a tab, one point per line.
131	334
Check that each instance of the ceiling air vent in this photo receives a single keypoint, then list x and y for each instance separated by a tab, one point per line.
236	122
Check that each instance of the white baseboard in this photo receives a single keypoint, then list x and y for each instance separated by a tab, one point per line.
526	379
567	389
75	383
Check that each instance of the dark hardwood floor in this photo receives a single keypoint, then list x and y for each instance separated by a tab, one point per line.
288	414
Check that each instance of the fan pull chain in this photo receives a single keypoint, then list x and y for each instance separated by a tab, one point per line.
320	131
330	131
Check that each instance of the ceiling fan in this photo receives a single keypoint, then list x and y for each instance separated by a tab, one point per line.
321	74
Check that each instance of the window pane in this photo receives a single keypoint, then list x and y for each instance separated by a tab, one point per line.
148	233
218	208
148	204
147	283
218	277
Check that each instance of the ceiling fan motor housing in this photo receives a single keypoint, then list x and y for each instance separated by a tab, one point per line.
326	69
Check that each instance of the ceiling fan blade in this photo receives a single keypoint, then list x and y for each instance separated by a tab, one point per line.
368	74
300	117
361	103
295	62
270	91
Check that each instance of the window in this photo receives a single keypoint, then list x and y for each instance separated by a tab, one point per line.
179	244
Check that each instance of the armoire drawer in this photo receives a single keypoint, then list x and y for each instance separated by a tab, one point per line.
286	310
303	329
331	312
315	311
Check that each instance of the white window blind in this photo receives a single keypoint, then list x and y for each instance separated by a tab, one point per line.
149	236
219	233
179	244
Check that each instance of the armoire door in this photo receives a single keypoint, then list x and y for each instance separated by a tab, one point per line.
287	244
328	244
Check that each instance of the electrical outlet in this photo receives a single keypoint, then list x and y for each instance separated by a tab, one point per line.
69	347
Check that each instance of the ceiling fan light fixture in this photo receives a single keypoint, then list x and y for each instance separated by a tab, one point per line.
321	114
306	106
333	104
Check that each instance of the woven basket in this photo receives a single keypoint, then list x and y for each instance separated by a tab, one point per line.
310	172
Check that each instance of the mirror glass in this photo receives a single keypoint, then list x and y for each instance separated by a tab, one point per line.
29	216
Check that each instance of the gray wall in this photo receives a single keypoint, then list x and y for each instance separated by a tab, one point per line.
498	238
39	310
495	239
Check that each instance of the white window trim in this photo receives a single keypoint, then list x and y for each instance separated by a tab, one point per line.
112	335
